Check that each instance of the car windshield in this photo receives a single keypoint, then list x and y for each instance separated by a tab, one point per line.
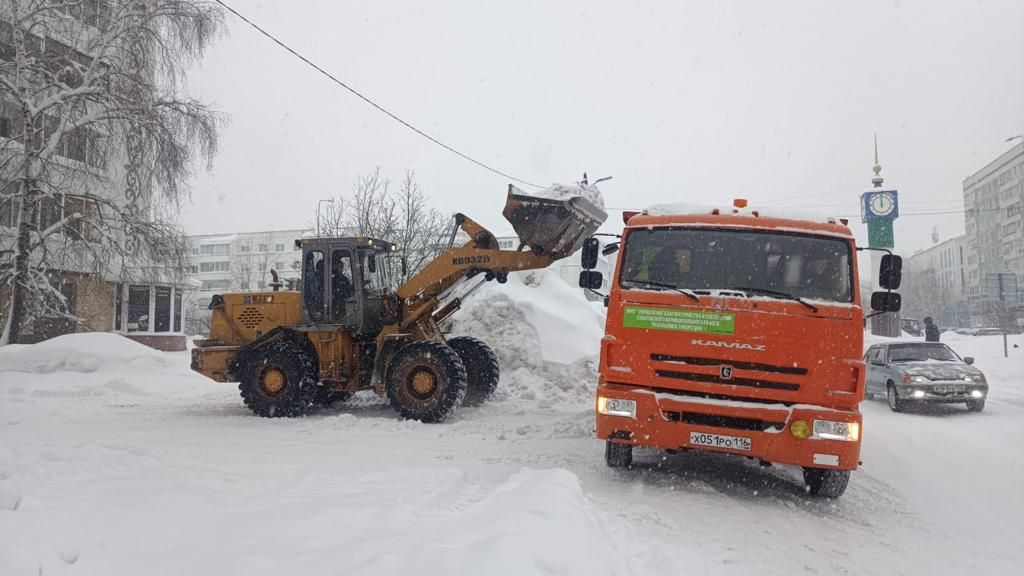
755	262
921	353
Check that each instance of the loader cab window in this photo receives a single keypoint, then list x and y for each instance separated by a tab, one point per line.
375	279
313	284
342	283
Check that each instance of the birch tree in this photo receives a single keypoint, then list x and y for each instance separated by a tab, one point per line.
403	216
97	141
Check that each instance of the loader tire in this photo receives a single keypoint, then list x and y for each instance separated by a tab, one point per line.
482	372
426	381
279	380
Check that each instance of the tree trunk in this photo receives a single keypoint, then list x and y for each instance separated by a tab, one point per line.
28	215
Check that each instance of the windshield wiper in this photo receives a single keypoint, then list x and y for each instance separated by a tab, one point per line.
682	291
768	292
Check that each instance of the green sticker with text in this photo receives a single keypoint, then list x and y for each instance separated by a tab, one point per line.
679	320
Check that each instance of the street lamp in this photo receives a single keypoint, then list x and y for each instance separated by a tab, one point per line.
331	200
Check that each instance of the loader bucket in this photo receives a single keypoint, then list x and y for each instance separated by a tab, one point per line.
553	227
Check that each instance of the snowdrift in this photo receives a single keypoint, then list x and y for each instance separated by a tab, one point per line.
545	333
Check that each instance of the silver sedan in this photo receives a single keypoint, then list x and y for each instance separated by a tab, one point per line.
923	372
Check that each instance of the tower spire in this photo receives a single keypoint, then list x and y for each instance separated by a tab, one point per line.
877	180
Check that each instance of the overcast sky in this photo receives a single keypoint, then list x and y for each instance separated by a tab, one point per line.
701	102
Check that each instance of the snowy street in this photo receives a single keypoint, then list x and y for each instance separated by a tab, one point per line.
116	459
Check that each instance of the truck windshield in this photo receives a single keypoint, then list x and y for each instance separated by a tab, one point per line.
702	260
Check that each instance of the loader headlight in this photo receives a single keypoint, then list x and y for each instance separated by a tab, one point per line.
831	430
616	407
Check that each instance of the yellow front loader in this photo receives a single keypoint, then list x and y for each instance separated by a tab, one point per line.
346	331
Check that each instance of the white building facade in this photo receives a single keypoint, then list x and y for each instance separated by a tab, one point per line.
993	200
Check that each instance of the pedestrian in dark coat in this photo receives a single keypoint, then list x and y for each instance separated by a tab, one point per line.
931	331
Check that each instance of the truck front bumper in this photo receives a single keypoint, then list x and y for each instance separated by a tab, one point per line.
770	432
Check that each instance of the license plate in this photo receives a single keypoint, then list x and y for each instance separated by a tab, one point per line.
946	389
720	441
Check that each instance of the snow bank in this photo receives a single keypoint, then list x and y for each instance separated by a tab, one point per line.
88	352
545	333
565	192
95	364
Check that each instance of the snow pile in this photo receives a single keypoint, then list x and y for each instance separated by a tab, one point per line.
683	208
87	353
545	333
96	364
578	190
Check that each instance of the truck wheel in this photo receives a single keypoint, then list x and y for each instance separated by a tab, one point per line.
975	405
279	380
896	404
482	370
426	381
617	454
826	483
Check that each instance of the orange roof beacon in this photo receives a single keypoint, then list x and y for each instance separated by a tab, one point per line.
733	330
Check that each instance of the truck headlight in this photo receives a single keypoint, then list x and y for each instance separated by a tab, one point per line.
616	407
829	430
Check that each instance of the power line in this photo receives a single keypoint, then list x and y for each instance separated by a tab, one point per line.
371	102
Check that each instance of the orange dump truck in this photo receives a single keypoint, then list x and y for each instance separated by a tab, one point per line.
730	331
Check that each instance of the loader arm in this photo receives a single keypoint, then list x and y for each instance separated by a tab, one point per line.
422	293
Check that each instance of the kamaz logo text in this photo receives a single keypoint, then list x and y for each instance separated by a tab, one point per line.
733	345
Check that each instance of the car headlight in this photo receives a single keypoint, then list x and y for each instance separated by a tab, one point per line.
907	379
977	377
616	407
830	430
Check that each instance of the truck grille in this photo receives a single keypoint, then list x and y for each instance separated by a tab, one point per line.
696	361
716	379
719	421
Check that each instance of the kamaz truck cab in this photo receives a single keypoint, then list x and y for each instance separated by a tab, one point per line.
730	331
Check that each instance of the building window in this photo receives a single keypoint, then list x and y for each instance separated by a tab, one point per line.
216	285
215	249
244	248
262	248
280	266
138	309
8	210
279	248
177	311
162	309
221	266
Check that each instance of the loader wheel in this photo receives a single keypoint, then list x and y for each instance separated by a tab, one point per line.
426	381
482	370
279	381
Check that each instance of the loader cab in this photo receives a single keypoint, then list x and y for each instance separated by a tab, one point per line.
344	283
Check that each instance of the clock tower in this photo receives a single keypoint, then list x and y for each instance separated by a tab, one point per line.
878	209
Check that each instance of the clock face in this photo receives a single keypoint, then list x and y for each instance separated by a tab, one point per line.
883	203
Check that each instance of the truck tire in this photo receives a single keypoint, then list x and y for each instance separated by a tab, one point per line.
896	404
617	454
826	483
975	405
482	372
426	381
279	380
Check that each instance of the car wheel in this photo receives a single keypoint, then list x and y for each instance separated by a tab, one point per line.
896	404
975	405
